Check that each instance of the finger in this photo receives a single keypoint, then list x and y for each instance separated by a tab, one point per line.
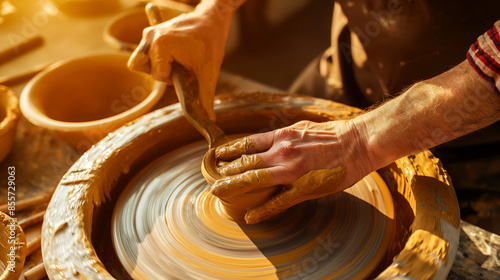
207	81
139	60
161	65
315	179
246	182
222	163
275	205
242	164
245	145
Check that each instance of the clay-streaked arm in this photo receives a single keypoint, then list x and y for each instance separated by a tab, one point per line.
429	113
196	40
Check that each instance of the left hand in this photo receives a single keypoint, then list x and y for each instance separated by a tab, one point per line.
196	40
310	159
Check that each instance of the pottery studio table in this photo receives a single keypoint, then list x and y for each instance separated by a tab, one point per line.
41	157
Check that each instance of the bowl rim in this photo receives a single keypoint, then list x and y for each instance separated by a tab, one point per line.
112	40
35	116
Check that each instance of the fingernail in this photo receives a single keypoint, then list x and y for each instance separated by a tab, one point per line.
215	189
219	151
250	218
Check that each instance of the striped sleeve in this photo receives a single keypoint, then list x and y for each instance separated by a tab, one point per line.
484	56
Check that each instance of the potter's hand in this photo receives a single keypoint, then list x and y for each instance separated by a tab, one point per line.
310	160
196	40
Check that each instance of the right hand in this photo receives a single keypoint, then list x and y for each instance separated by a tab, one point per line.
196	40
311	160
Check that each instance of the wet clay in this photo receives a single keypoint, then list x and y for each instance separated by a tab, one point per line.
11	266
178	223
430	249
102	173
241	164
307	187
233	149
236	192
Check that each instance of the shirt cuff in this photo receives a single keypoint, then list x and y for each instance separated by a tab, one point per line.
484	55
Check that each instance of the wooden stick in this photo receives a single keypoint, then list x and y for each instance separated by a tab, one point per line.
32	220
36	273
34	245
27	203
14	79
20	48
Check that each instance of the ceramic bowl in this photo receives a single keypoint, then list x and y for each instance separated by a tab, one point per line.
124	31
86	97
13	249
9	118
87	7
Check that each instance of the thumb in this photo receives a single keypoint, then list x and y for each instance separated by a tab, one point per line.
139	60
275	205
207	81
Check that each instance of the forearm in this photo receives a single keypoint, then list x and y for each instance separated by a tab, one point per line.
429	113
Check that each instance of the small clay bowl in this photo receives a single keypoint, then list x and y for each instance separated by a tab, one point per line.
124	31
236	206
86	97
87	7
13	249
9	118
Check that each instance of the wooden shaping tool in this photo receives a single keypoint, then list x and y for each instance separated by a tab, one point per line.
188	98
20	48
36	273
12	79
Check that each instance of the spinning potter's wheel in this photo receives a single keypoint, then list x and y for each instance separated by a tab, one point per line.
167	225
76	234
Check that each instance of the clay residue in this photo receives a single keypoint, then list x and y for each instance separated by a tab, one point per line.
422	256
427	187
321	181
229	187
241	164
236	148
241	192
313	184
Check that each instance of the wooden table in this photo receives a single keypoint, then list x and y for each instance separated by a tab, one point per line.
41	157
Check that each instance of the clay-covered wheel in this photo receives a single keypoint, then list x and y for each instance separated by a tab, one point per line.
421	190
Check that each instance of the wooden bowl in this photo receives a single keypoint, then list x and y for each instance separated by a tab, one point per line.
13	248
9	118
86	97
76	235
